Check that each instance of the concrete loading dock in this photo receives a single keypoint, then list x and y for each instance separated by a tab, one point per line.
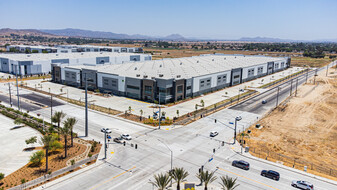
173	79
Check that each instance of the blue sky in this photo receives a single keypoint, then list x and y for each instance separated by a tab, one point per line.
220	19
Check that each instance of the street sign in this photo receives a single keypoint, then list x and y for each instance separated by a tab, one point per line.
231	123
210	160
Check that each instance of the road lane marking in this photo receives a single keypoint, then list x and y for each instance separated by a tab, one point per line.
95	187
248	178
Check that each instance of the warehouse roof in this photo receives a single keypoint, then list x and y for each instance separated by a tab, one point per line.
49	56
187	67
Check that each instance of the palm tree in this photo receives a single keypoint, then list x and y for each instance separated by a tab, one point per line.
57	118
65	132
207	177
179	175
161	181
71	121
47	141
228	183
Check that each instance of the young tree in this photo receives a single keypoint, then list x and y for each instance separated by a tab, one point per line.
18	121
47	141
65	131
57	118
31	140
37	157
228	183
178	113
179	175
161	181
71	121
206	177
141	114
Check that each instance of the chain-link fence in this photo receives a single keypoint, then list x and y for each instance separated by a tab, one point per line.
48	177
297	163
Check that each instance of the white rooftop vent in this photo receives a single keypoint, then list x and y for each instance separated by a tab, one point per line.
28	55
101	53
161	75
137	75
153	78
57	54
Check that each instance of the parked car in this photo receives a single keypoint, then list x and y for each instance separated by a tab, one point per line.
126	136
271	174
241	164
118	140
302	185
264	101
213	133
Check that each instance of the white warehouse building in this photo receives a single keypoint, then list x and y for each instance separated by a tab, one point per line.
173	79
31	64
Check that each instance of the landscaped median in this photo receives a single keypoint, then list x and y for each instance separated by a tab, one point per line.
53	158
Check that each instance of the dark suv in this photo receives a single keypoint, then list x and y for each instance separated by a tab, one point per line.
271	174
241	164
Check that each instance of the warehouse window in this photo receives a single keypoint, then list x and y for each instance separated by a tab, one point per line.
106	82
113	83
132	87
236	76
148	89
188	88
180	89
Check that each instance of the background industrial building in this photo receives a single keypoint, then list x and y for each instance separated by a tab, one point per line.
169	80
71	49
32	64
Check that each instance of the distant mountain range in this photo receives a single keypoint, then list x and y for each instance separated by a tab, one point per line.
99	34
70	32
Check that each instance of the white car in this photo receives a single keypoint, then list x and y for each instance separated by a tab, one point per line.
302	185
126	136
213	133
107	130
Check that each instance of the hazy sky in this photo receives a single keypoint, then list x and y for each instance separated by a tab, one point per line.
221	19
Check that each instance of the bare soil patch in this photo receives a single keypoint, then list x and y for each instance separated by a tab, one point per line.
305	128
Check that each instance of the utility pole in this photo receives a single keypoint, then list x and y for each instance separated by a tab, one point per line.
238	97
296	86
236	119
10	94
51	107
104	144
291	86
86	105
17	90
159	112
327	69
278	90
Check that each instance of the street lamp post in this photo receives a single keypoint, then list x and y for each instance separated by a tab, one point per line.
86	104
291	86
236	120
296	87
17	89
171	157
10	94
159	112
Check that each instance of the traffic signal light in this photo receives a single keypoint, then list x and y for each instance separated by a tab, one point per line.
136	146
124	143
215	120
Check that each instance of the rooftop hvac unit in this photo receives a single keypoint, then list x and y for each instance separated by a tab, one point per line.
224	58
212	59
161	75
137	75
178	76
57	54
135	68
181	63
28	55
145	76
160	65
197	61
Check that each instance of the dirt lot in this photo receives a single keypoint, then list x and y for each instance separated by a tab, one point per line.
306	127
